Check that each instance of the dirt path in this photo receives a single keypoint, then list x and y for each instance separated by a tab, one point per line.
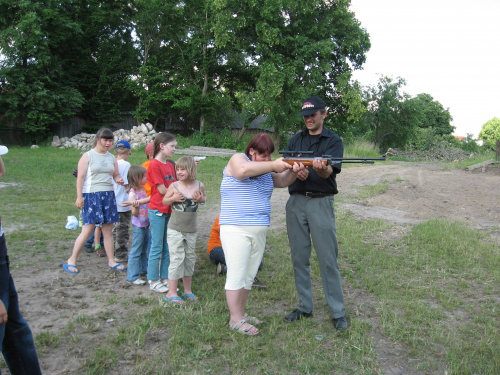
417	191
424	191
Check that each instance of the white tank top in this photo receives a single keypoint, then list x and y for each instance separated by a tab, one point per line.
99	172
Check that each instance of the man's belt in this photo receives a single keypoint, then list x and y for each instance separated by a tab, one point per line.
312	194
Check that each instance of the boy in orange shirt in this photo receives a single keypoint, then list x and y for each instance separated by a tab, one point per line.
216	254
149	153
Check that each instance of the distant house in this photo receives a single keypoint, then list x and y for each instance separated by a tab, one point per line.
256	126
459	137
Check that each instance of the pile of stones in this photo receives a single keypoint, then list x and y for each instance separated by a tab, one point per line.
138	137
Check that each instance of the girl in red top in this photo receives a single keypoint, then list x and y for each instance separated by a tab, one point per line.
160	175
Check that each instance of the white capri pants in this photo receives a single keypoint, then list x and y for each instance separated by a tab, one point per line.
181	247
243	247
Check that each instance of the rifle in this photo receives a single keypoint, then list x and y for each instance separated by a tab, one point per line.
292	157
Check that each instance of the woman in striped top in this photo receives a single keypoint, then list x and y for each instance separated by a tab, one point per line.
246	188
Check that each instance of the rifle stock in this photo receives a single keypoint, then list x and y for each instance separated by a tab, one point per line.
306	161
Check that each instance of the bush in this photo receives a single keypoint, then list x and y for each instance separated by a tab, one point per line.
361	148
470	145
424	139
213	137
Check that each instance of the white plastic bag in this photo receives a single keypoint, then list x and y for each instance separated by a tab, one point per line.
72	223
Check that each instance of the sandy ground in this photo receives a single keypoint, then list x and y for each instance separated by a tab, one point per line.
50	298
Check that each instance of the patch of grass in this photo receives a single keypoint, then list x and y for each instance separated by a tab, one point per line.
361	149
142	301
112	300
476	159
210	173
88	323
369	191
45	340
422	285
160	338
103	358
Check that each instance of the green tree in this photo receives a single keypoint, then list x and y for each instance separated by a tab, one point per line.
391	114
33	79
61	58
102	58
293	50
490	133
348	110
435	116
183	74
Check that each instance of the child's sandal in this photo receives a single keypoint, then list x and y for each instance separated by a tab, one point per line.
191	297
244	331
99	250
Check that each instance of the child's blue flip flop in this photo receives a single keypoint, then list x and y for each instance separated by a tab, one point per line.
66	268
190	297
176	300
118	269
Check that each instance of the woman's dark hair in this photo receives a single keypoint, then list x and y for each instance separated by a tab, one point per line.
103	133
162	138
262	143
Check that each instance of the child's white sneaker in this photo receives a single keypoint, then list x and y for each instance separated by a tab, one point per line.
158	287
139	282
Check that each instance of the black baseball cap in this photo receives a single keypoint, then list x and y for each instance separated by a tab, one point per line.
311	105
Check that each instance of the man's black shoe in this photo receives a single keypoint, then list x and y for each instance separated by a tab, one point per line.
296	315
340	324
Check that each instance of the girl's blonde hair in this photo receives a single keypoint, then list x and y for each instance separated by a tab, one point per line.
134	176
187	163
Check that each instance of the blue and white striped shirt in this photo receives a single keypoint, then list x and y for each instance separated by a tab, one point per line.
246	202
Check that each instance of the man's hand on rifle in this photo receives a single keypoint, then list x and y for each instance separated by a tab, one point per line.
322	169
319	165
302	171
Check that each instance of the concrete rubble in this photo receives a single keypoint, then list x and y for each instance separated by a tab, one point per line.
138	137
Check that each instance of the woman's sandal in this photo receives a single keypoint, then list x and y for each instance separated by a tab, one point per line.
244	331
252	319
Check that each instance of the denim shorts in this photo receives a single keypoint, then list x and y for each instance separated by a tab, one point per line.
99	208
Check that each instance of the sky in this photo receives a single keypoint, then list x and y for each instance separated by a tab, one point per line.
449	49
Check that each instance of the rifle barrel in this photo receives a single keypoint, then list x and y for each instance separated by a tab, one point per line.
325	158
362	161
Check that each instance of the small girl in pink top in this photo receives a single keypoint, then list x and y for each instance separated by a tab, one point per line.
138	257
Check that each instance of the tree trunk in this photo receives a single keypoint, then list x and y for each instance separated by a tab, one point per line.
241	133
277	139
379	142
147	47
205	88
